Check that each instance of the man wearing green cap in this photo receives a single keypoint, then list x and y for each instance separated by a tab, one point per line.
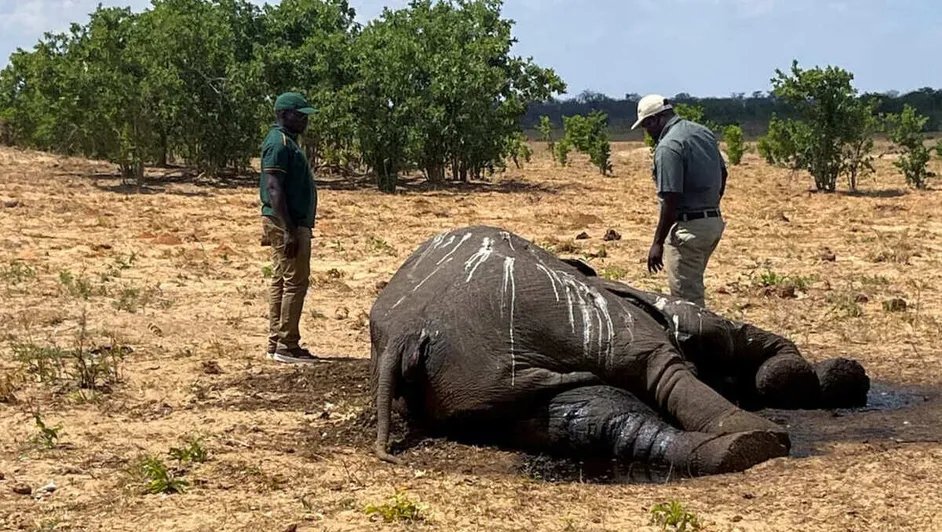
289	202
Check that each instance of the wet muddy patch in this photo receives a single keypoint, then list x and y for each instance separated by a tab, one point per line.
893	414
337	392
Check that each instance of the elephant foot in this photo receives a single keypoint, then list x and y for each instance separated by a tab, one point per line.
787	382
740	421
709	454
844	383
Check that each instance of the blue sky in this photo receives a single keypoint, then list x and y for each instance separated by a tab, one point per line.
702	47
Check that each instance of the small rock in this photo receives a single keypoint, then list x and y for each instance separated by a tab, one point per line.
896	304
45	490
11	203
342	313
782	217
1	475
828	256
381	284
610	235
582	236
291	528
736	518
861	298
722	290
22	489
748	496
211	367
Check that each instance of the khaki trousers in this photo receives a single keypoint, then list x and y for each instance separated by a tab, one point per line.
687	251
289	284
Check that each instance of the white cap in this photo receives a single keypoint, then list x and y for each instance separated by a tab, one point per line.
651	105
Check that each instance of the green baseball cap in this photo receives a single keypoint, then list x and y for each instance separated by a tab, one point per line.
293	101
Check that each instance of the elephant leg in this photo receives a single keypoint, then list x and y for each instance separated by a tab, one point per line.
844	383
604	421
696	406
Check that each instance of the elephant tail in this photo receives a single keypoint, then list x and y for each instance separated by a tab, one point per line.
389	363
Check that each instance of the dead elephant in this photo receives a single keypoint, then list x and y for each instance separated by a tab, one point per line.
482	335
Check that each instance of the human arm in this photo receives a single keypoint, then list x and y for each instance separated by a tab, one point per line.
669	179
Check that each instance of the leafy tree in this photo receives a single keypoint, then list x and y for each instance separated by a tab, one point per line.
439	87
734	144
517	149
829	122
905	130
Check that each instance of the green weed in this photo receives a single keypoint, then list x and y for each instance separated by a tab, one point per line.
16	273
396	509
614	273
155	478
673	516
380	246
191	452
48	437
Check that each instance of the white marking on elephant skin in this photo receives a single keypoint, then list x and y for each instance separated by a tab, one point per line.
399	302
593	307
506	236
660	303
433	245
511	283
479	257
676	327
552	277
454	249
429	276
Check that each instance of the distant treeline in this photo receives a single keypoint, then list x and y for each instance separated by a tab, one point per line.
751	112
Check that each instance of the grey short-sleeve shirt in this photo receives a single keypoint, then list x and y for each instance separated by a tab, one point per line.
687	161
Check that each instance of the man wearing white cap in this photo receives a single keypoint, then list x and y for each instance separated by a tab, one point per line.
690	177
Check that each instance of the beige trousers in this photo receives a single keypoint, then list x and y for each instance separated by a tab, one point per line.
289	284
687	251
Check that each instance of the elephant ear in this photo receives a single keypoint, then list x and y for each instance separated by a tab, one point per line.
583	268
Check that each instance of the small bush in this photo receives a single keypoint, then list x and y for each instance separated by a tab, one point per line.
673	516
380	246
48	437
396	509
734	144
154	477
16	273
191	452
905	130
561	152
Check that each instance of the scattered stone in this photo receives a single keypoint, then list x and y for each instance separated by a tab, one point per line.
342	313
582	236
861	298
22	489
211	367
1	475
828	256
293	527
722	290
897	304
610	235
783	218
381	284
45	490
10	204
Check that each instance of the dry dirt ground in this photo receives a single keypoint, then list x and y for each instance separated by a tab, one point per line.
171	284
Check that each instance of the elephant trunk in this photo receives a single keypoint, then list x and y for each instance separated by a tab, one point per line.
389	363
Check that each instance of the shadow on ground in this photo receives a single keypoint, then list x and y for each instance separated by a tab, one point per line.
336	393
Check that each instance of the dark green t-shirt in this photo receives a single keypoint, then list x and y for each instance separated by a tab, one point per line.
281	155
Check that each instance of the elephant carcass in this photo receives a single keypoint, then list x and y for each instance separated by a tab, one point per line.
483	334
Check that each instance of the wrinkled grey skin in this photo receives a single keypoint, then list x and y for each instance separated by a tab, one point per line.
483	335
